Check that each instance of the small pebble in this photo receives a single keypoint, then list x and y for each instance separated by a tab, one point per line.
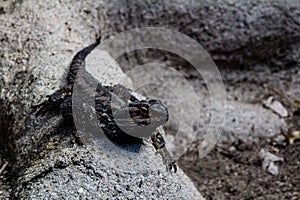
232	148
80	190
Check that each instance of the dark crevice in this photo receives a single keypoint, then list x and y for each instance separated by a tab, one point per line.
7	141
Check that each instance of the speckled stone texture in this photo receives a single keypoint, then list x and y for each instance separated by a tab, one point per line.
236	33
39	40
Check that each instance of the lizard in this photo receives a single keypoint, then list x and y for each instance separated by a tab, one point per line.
119	114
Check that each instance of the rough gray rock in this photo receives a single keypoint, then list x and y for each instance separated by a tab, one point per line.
235	33
38	42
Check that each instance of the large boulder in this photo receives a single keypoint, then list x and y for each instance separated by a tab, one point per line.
38	41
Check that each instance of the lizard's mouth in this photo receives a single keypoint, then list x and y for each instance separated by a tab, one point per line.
147	119
141	120
133	120
141	115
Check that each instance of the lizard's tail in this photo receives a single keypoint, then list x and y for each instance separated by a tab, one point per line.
78	61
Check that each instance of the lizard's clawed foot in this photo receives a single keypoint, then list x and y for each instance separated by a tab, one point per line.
159	144
171	165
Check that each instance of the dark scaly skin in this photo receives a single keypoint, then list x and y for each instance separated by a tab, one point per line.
119	114
78	61
159	144
58	97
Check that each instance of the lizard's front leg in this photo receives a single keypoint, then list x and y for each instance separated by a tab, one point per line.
160	146
54	100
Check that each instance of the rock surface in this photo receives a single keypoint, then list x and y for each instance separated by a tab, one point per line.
38	42
237	33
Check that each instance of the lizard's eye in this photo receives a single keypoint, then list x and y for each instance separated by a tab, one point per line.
144	109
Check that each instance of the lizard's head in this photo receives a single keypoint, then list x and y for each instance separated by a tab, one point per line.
143	118
148	113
